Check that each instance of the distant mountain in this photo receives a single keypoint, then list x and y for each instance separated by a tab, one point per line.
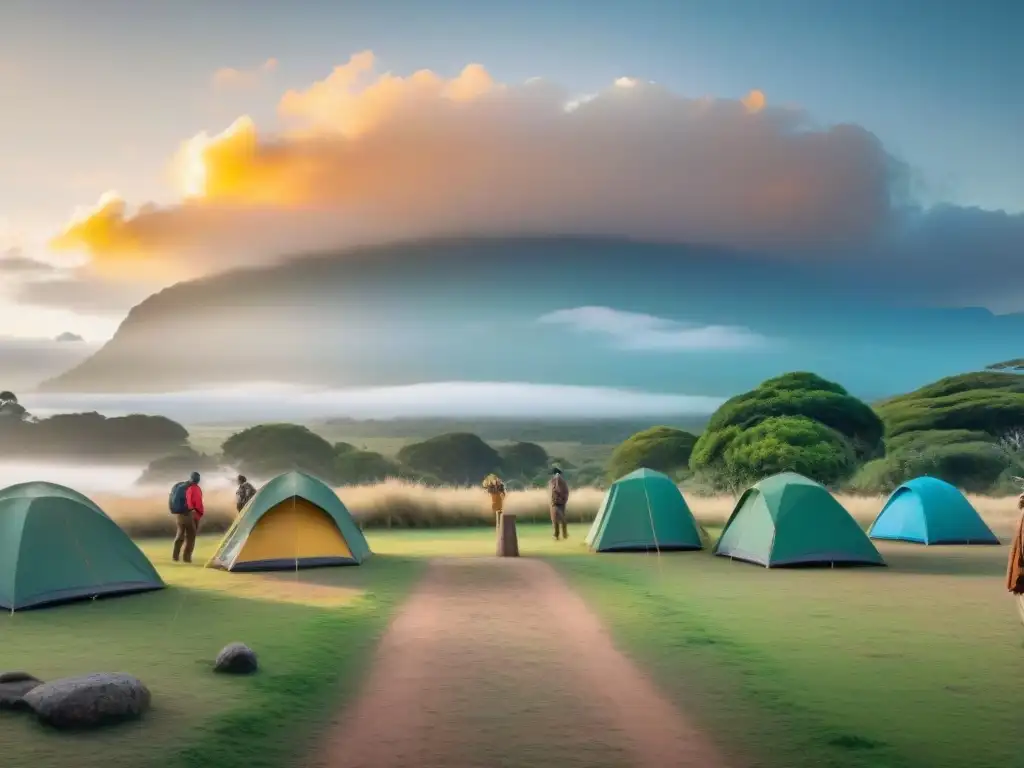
67	336
469	310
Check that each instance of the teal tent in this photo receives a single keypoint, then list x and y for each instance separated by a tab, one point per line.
56	546
644	511
788	519
294	521
927	510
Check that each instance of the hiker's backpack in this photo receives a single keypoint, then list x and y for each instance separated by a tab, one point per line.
176	502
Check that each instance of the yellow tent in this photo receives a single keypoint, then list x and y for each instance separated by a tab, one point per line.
295	521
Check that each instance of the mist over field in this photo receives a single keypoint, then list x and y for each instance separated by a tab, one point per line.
268	401
89	478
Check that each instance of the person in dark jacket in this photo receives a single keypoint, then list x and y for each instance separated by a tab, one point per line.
244	493
559	498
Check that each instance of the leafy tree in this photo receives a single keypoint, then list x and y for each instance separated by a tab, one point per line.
665	449
1017	364
988	402
91	435
523	459
459	458
10	409
790	444
13	412
801	396
269	449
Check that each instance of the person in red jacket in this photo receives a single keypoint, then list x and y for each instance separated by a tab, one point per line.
194	499
188	523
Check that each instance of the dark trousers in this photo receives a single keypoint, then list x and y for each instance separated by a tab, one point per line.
186	535
558	519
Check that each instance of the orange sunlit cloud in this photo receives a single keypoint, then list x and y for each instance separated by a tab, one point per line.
370	156
230	77
754	101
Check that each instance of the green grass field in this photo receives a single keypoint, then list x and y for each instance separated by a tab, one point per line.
906	667
313	631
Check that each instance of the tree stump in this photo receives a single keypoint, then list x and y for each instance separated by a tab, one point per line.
508	540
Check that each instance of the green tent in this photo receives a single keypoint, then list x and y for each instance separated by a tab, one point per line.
56	546
788	519
644	511
294	521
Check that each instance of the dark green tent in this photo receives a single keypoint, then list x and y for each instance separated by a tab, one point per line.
644	511
788	519
56	546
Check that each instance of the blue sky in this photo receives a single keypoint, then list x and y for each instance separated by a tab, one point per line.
103	92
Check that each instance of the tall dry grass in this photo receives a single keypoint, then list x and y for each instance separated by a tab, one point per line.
397	504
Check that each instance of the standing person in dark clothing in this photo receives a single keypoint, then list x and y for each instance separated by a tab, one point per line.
559	498
244	493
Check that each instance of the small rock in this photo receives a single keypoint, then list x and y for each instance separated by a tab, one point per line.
14	685
236	659
88	701
16	677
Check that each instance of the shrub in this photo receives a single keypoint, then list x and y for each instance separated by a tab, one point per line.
457	458
362	467
523	460
269	449
975	467
177	466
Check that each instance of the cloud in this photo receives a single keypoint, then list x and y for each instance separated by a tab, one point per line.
229	77
269	401
79	290
641	332
368	156
27	362
14	262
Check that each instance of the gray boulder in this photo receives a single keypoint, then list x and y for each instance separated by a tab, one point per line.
13	686
88	701
236	659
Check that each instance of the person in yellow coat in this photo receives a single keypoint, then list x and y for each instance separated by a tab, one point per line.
495	486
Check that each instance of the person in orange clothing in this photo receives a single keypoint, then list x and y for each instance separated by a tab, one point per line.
496	488
1015	566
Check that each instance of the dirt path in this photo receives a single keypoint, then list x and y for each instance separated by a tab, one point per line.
496	662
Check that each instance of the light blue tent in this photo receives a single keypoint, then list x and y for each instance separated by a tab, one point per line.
927	510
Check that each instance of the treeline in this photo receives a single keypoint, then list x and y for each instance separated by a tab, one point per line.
86	435
459	458
967	430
